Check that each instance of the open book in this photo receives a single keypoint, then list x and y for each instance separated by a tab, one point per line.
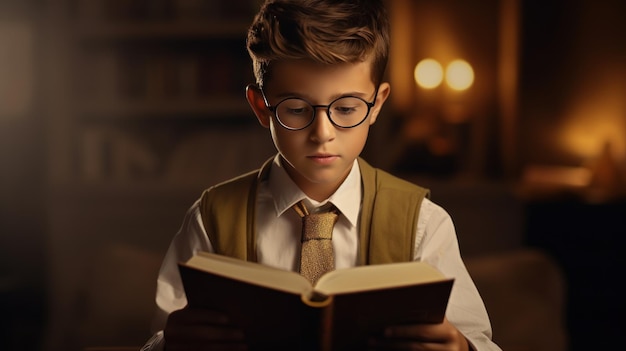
279	309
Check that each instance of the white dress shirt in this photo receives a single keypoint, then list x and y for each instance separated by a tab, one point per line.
278	244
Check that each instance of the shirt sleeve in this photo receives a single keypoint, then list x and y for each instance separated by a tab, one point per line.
170	295
437	244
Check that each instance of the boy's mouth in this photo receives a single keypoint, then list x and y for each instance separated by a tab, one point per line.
322	158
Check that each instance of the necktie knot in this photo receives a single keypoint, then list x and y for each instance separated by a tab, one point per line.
319	226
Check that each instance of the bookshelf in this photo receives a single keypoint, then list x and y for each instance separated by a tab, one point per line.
144	107
138	80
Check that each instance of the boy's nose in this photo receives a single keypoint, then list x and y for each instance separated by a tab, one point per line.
322	129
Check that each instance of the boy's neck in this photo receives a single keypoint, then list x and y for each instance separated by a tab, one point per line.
319	192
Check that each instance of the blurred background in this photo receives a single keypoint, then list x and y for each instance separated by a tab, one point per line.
116	114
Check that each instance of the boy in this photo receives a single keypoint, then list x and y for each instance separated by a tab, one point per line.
319	66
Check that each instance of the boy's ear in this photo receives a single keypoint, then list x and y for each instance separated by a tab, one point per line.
257	102
383	93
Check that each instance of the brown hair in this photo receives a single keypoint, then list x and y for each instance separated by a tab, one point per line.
325	31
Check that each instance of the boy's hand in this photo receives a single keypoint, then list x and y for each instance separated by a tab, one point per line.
200	329
432	337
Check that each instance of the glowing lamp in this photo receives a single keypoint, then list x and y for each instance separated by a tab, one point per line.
459	75
428	74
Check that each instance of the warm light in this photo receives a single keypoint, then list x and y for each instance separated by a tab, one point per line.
557	175
428	74
459	75
595	119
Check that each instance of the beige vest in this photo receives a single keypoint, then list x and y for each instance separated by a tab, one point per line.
388	221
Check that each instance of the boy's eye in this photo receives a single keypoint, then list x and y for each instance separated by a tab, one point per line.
294	107
296	111
344	109
348	106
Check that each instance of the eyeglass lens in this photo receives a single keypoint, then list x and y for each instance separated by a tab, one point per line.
345	112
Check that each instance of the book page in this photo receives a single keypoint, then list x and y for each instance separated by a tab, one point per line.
374	277
251	272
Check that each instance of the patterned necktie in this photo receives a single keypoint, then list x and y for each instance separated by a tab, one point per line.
317	248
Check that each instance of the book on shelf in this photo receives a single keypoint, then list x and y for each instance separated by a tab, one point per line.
279	309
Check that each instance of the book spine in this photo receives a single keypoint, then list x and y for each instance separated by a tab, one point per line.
310	328
326	326
316	327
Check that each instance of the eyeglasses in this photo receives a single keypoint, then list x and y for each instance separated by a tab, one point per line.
344	112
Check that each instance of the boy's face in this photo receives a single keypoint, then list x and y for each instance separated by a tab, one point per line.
319	157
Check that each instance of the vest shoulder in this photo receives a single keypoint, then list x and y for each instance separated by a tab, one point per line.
228	187
386	180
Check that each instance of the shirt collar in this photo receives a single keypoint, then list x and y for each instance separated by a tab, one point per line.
286	193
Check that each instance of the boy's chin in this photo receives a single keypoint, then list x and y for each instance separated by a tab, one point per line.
324	179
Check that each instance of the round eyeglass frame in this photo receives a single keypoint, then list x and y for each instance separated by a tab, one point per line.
315	107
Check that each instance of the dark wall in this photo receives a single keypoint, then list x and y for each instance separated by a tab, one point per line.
22	179
573	56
